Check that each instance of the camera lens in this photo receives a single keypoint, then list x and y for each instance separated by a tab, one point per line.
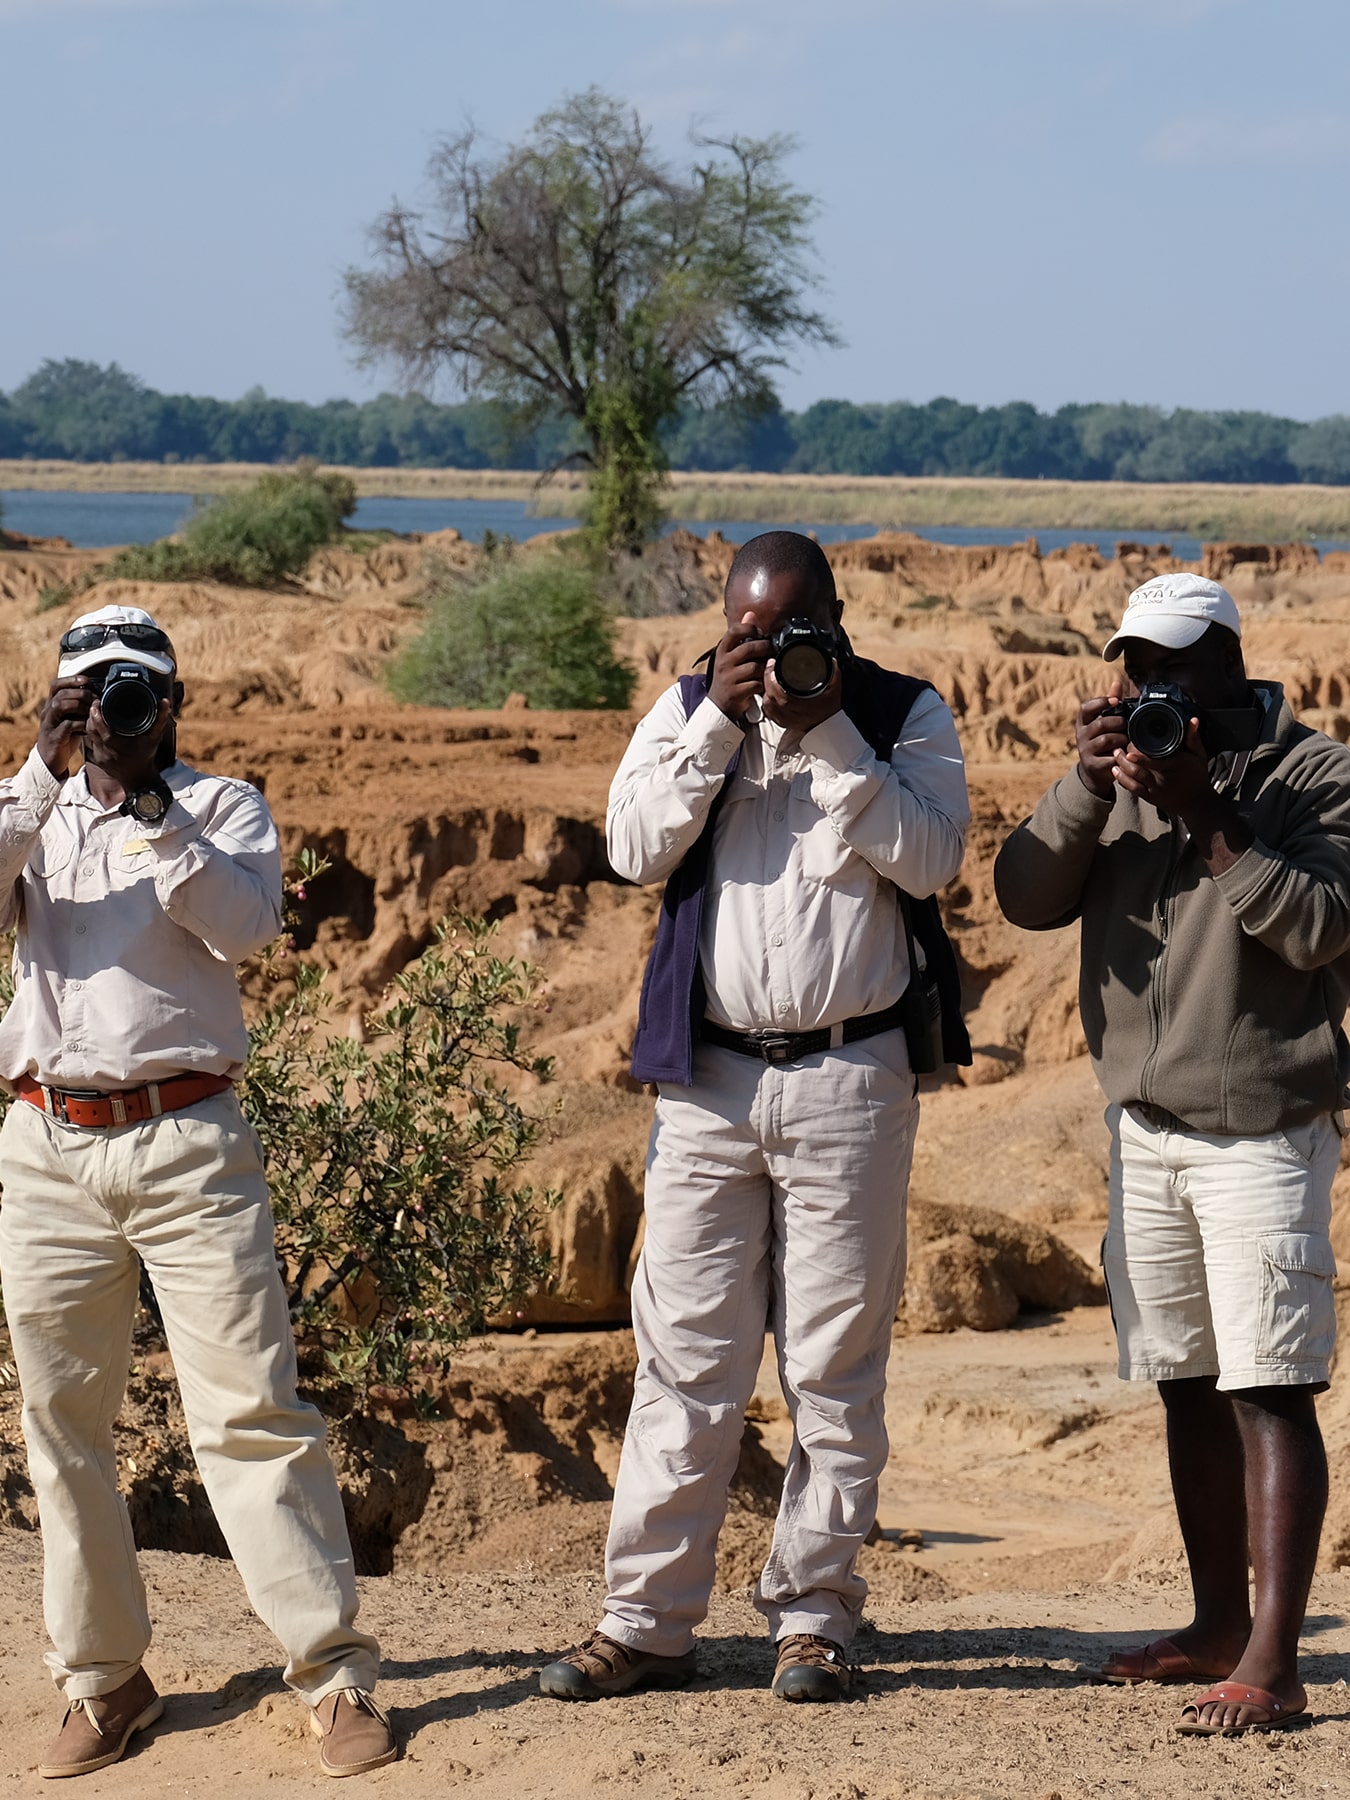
1157	727
129	703
803	670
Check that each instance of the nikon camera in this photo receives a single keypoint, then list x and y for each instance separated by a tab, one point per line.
1156	722
129	697
804	656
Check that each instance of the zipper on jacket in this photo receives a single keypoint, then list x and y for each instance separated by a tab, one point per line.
1162	914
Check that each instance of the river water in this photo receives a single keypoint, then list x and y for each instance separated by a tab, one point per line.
92	520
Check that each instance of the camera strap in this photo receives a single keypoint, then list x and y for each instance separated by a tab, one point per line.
920	1004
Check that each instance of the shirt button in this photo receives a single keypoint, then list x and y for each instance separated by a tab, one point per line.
779	816
777	940
88	869
79	931
75	986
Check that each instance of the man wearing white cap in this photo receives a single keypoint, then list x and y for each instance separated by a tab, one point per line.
134	887
1203	843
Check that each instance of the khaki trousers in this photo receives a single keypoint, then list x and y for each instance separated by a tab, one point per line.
774	1196
184	1194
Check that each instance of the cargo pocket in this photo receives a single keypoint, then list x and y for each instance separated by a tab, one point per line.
1298	1309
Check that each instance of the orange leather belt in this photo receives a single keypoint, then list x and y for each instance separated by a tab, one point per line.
127	1106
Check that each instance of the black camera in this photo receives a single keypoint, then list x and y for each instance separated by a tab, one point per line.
804	657
129	695
1157	720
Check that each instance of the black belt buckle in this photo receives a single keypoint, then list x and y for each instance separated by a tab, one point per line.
776	1047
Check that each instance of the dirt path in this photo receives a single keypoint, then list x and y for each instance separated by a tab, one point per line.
968	1699
1029	1469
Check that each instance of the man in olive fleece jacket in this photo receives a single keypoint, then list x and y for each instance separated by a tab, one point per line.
1212	887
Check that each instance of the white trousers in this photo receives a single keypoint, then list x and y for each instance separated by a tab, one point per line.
774	1196
184	1194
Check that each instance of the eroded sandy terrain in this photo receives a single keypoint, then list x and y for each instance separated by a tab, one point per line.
1035	1478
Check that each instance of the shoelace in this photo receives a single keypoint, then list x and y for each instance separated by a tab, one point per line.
811	1651
365	1702
86	1706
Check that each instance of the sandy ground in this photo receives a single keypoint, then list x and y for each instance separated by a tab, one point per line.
1036	1479
968	1699
1028	1468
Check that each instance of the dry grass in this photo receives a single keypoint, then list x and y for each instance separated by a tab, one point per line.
1210	510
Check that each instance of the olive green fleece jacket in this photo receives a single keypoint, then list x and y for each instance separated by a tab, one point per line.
1218	998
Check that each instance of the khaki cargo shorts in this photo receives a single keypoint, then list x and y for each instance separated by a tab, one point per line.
1217	1253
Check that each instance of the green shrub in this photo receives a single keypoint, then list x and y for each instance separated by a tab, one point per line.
399	1231
388	1163
531	625
256	537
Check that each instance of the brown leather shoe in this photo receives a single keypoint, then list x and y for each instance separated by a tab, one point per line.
95	1732
811	1668
355	1734
601	1665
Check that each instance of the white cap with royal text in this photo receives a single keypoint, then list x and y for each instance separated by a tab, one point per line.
1175	611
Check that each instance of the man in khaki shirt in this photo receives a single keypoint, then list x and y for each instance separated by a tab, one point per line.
134	886
785	826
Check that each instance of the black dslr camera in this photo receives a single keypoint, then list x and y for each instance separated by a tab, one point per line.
1157	720
804	656
129	695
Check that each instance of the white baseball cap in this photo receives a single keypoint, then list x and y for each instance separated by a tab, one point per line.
1175	611
143	641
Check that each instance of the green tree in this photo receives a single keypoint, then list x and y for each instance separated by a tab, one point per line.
578	274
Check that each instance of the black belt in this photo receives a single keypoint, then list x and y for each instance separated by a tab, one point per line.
791	1046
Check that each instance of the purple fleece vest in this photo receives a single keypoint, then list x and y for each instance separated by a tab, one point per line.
673	998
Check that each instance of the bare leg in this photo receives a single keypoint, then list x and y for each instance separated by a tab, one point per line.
1286	1490
1205	1457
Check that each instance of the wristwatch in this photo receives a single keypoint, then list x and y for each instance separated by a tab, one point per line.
148	804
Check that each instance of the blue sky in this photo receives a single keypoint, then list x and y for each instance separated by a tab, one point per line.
1048	200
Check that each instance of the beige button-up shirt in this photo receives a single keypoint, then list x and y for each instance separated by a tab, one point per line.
801	922
127	935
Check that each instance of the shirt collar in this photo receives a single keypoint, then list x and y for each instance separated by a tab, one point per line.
76	791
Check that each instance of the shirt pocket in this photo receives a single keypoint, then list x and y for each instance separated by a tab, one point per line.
50	861
822	854
1298	1309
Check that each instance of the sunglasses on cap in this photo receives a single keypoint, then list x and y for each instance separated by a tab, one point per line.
91	637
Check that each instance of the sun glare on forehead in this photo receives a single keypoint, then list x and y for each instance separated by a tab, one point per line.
759	584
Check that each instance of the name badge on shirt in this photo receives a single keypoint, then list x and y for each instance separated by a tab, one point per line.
134	846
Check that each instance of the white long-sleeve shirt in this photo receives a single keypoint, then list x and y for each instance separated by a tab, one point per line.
128	934
801	920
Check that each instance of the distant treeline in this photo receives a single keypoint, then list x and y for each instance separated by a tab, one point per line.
84	413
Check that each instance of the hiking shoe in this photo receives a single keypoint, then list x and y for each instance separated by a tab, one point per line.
600	1666
95	1732
355	1734
811	1668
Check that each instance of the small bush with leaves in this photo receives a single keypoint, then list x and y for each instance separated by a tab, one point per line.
532	624
389	1161
256	537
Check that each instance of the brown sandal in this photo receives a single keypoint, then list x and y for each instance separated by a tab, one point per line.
1239	1695
1161	1661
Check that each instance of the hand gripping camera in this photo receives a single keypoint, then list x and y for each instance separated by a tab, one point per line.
129	696
804	656
1157	720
